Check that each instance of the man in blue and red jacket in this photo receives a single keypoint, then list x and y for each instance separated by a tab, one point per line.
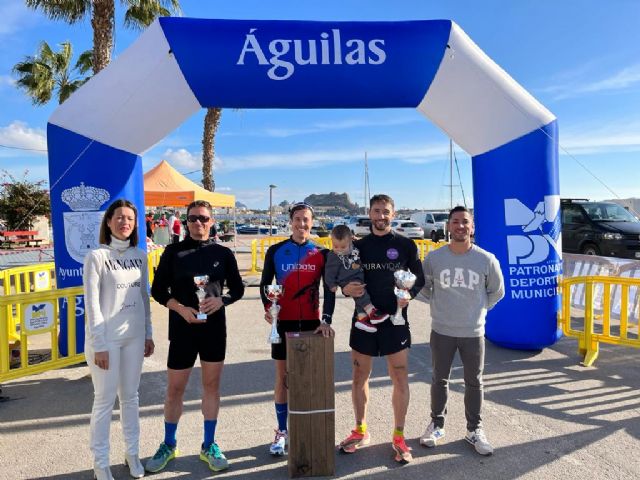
298	265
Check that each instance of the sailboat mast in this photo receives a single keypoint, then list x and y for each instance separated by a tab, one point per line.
450	174
366	184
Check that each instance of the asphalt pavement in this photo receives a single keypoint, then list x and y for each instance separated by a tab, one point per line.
547	417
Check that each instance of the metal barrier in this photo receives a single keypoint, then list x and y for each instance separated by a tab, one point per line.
624	311
38	314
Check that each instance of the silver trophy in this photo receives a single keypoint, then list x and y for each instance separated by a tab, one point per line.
404	281
274	293
201	282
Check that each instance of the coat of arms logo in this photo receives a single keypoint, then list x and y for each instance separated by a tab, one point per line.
82	225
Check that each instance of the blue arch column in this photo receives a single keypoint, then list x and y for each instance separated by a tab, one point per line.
517	210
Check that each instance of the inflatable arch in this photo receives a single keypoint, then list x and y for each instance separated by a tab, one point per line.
179	65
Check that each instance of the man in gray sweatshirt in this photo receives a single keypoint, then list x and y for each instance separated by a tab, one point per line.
462	282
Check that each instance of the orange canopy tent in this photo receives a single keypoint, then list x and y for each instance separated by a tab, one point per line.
164	186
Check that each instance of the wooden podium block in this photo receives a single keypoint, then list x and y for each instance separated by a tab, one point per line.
311	405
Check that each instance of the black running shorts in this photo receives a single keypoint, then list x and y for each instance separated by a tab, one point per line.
279	350
207	341
387	340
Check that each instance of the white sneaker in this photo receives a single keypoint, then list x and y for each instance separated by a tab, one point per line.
479	441
100	473
280	442
136	470
431	436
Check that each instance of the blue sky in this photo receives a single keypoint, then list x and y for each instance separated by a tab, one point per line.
580	58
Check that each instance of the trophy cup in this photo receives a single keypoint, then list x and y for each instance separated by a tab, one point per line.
273	293
201	282
404	281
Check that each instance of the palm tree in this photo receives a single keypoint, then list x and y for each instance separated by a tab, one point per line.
211	124
139	14
50	72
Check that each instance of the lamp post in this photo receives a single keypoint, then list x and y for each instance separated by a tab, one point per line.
271	187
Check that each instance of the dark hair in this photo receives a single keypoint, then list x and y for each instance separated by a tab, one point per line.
381	197
200	203
341	232
105	230
299	206
458	208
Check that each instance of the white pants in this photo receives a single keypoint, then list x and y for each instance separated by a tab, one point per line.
122	378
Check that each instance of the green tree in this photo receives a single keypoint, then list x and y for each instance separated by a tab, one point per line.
48	73
139	14
21	201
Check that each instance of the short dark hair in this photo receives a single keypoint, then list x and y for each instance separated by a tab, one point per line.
341	232
200	203
299	206
381	197
458	208
105	230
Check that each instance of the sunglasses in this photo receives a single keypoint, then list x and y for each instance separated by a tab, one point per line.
195	218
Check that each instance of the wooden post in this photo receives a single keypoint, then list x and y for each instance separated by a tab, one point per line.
311	405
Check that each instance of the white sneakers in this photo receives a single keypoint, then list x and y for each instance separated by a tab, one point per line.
432	435
479	441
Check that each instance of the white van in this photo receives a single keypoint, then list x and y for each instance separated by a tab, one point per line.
433	222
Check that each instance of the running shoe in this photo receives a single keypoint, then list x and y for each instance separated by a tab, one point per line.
214	458
363	324
279	445
403	453
354	441
376	316
163	456
478	439
431	436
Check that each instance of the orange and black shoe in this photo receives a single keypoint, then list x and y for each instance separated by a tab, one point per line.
354	441
403	453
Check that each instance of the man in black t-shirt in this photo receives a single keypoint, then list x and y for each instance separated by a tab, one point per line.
382	253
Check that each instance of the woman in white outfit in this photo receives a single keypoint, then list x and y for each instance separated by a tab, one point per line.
118	332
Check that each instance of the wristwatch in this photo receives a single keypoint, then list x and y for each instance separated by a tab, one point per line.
323	320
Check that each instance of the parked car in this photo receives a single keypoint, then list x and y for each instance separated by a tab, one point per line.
407	228
599	228
360	225
433	222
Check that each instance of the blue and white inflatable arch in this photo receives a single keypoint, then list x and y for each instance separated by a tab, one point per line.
180	65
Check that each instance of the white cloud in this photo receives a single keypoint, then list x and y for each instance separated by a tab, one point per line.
623	79
319	127
7	81
19	135
184	159
307	159
621	136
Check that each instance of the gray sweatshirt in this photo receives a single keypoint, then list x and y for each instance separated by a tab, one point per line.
460	289
116	298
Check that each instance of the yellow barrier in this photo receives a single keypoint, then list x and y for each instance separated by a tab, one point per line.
38	314
153	259
588	338
259	248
